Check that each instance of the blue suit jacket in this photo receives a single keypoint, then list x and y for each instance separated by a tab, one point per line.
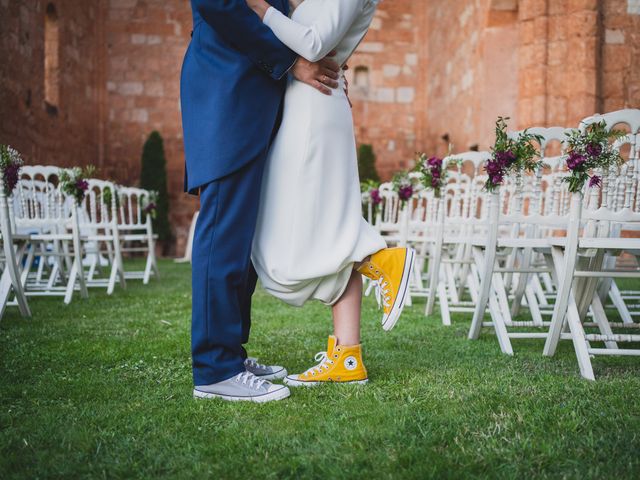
232	85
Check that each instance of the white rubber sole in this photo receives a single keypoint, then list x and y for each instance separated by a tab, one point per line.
389	321
279	394
292	382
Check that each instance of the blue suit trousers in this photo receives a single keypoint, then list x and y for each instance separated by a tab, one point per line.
223	278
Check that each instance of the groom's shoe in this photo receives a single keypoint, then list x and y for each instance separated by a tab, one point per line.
266	372
243	387
390	269
339	364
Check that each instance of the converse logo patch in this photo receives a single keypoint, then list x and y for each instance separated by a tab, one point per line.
350	363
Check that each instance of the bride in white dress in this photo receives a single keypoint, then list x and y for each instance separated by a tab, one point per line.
311	240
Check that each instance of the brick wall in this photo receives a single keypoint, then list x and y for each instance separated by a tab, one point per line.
620	67
145	42
472	73
386	109
426	68
70	133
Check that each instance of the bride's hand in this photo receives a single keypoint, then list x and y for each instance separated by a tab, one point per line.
258	6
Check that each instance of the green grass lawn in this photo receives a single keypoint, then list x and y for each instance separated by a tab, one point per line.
102	388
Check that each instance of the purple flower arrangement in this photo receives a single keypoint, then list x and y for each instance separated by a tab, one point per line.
150	204
403	186
10	163
510	155
74	182
433	176
374	194
590	150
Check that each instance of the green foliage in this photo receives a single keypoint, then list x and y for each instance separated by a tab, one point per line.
101	388
369	185
588	151
108	197
153	176
73	181
367	164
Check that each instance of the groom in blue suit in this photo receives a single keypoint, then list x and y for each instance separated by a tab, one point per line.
232	88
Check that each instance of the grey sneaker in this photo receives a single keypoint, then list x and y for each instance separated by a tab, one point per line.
266	372
243	387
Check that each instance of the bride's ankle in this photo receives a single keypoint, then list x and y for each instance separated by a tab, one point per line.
358	265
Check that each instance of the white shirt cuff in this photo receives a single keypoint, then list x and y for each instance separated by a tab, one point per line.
268	15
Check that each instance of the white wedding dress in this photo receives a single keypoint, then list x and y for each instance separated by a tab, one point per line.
310	228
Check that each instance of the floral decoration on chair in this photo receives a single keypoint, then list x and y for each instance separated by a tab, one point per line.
10	164
73	181
510	155
589	150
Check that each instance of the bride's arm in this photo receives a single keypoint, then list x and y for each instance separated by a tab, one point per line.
314	41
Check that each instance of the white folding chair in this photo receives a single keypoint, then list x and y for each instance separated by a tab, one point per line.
522	214
460	217
98	223
10	280
595	232
50	222
136	230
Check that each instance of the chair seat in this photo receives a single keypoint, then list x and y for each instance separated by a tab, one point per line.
523	243
50	236
133	237
601	243
476	241
97	238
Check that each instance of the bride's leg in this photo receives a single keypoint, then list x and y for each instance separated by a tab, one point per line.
346	312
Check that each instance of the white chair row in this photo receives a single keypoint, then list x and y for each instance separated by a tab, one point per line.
61	246
531	245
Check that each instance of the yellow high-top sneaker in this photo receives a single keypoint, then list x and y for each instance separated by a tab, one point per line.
390	269
339	364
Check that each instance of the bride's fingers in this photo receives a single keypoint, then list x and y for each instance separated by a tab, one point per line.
330	73
330	64
329	82
320	87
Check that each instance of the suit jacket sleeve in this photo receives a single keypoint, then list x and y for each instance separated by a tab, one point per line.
242	28
315	41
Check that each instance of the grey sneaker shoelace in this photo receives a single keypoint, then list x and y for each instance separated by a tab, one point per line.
249	379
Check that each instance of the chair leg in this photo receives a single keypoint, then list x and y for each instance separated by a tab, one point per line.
600	317
501	293
5	291
451	282
113	274
619	303
499	325
523	280
564	269
532	303
118	262
434	277
147	270
71	283
580	344
444	304
484	261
